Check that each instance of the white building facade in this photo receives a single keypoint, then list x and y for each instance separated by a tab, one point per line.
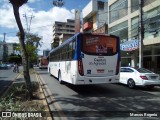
1	51
95	15
6	49
62	28
124	22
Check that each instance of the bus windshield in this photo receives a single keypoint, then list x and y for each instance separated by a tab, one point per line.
99	44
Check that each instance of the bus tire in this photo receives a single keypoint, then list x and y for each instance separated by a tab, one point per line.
60	78
50	72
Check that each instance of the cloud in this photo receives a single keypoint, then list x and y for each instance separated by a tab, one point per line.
32	1
42	21
10	39
7	18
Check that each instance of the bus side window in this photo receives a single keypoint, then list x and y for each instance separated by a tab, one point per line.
73	48
65	52
70	51
59	54
53	56
62	55
56	56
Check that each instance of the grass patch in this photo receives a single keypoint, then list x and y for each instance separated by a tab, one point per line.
16	99
31	71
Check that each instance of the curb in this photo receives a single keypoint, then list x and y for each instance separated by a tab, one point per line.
43	91
50	100
43	95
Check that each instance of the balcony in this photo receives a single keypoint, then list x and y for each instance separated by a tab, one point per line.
90	9
87	26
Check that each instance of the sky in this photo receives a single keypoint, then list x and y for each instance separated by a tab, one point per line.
43	15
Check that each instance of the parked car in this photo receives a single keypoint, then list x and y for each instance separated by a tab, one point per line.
3	66
138	77
9	66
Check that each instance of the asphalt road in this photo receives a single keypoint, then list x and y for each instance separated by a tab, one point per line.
6	78
103	101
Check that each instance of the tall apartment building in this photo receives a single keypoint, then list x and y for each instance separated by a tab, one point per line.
6	49
46	53
1	51
124	18
95	16
62	31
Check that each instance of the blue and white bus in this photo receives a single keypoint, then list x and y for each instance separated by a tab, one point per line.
86	58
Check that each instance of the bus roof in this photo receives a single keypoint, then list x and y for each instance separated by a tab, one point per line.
71	38
68	40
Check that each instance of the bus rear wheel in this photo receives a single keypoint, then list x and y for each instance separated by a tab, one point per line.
50	72
60	78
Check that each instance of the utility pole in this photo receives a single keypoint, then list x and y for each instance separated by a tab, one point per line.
4	37
24	15
28	23
141	33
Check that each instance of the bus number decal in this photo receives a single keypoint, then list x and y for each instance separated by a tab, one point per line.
110	71
88	71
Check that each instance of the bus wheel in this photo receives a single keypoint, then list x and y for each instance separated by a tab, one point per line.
131	83
50	72
59	77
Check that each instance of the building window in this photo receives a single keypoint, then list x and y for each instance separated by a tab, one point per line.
120	30
59	25
152	23
118	10
119	26
147	2
100	5
134	5
134	27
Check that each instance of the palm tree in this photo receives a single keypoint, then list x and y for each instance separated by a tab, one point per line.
16	5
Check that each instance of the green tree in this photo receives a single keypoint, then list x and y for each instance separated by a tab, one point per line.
32	54
15	59
32	43
33	39
16	5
